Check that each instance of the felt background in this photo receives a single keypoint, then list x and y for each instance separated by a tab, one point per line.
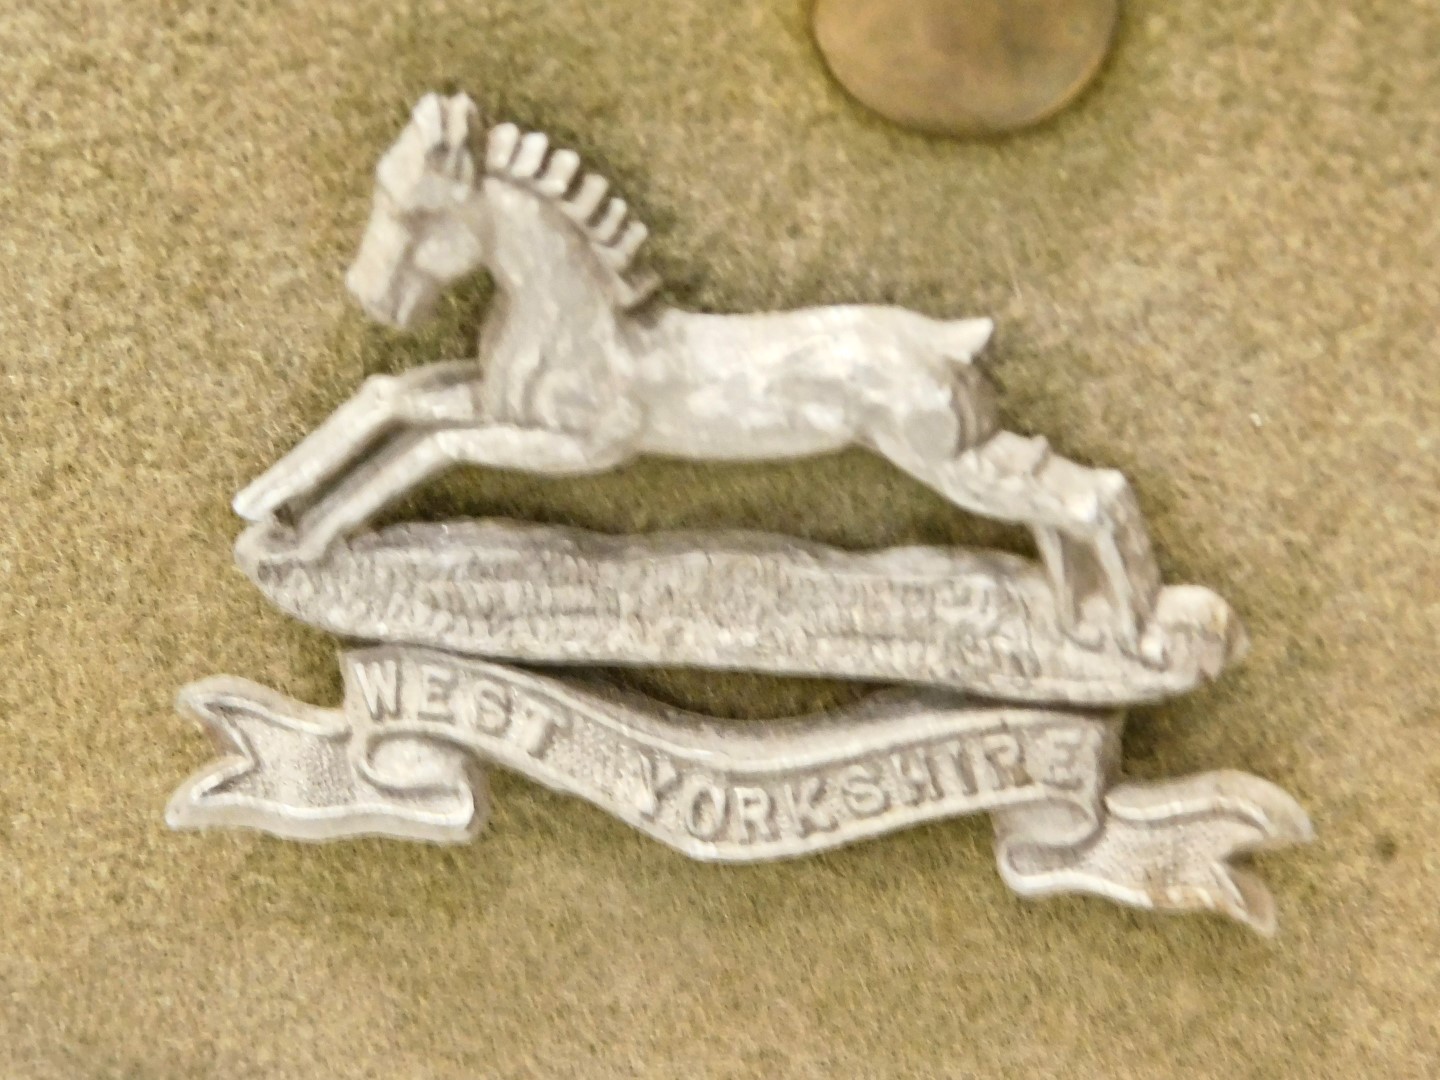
1217	272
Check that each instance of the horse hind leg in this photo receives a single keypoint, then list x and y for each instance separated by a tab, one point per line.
940	414
1088	529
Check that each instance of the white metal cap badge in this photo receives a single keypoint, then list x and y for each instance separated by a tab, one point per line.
1009	674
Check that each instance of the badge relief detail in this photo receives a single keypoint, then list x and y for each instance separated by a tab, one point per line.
999	663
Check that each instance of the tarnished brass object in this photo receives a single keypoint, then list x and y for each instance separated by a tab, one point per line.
965	67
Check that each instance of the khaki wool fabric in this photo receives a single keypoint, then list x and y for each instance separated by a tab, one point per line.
1217	272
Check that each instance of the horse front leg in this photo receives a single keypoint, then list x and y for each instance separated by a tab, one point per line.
436	393
411	459
403	463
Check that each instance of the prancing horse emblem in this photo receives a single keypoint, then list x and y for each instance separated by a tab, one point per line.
582	366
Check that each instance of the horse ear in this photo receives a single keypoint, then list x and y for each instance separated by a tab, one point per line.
461	127
428	116
462	119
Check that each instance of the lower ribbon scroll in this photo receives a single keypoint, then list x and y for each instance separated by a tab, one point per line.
401	758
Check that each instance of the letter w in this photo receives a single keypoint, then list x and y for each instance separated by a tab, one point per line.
379	685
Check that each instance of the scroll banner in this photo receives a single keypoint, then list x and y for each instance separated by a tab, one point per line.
402	758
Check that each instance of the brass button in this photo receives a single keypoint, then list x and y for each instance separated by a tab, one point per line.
965	67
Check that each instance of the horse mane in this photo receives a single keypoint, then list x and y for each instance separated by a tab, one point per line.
613	233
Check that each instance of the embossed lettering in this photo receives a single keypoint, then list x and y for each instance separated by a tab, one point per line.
490	701
437	682
657	777
379	684
531	725
914	777
953	765
704	808
800	804
862	792
754	810
1058	751
998	758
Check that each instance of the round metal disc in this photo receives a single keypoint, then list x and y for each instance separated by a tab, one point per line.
965	67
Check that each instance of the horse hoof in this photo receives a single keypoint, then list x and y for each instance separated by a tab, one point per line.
1200	629
1092	625
262	498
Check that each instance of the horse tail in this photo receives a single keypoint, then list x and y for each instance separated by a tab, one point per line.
959	341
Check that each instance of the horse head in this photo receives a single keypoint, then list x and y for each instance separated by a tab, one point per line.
414	246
